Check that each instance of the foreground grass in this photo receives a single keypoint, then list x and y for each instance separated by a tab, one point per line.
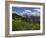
18	24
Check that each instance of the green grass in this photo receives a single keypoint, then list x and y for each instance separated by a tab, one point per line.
19	25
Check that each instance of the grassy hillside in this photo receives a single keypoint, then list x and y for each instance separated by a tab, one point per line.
18	23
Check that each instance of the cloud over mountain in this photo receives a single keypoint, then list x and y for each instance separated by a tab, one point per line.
29	12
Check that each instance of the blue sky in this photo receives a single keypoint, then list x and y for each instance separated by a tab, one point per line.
25	10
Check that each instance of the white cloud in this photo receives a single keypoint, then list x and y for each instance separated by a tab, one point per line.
13	11
27	12
37	10
35	13
21	14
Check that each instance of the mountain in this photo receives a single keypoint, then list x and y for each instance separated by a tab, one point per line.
28	13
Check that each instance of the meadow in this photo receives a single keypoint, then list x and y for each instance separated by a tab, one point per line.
19	24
